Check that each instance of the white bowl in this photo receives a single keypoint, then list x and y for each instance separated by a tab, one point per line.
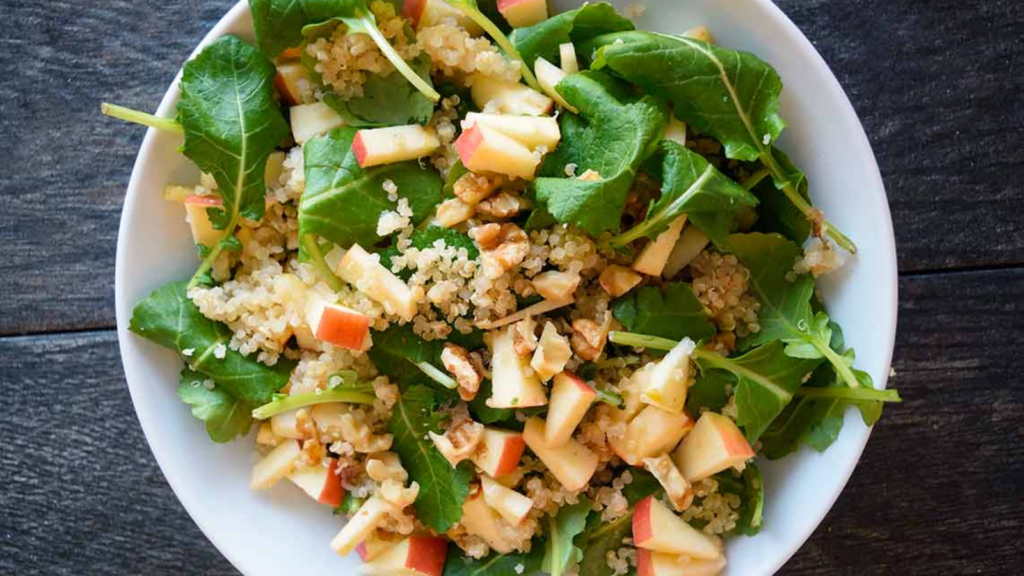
281	531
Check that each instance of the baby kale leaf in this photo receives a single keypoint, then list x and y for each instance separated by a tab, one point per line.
673	312
495	564
226	417
559	551
386	101
543	39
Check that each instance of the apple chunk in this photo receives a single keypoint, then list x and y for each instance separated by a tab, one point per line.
571	397
656	528
530	131
481	520
567	58
653	257
500	452
552	353
521	13
690	244
203	231
364	271
288	80
417	555
483	149
277	464
322	483
669	379
309	120
361	525
501	97
650	563
548	76
426	13
376	146
373	546
513	506
572	464
715	443
336	324
513	383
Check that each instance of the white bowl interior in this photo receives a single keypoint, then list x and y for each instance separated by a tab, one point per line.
282	531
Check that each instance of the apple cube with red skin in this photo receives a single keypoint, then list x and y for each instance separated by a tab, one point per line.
481	520
287	80
203	231
336	324
373	546
668	380
277	464
649	563
654	255
657	528
359	527
652	432
426	13
573	464
483	149
513	506
376	146
322	483
500	452
521	13
571	397
513	383
309	120
364	271
530	131
417	555
714	444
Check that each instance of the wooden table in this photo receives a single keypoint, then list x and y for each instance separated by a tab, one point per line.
939	86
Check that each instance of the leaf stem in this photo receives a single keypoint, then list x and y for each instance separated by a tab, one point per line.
837	361
136	117
610	398
470	9
655	221
867	394
754	179
642	341
317	258
435	374
367	24
356	395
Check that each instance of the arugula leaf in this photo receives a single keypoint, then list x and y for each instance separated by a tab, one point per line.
691	186
764	381
786	313
225	416
426	238
232	123
543	39
732	96
397	350
749	487
559	551
342	201
710	391
612	135
170	319
386	101
494	564
673	312
443	489
775	212
599	538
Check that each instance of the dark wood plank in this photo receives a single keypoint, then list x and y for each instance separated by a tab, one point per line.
935	84
937	491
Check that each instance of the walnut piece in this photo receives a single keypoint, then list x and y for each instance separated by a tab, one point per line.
524	339
556	286
386	466
461	439
502	246
589	337
459	363
502	205
617	280
473	188
362	439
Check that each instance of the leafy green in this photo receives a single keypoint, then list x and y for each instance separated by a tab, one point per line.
764	381
495	564
232	124
170	319
443	489
599	538
386	101
543	39
732	96
710	391
691	186
397	350
559	551
612	135
225	416
350	504
749	487
350	394
483	413
342	201
670	312
422	239
775	212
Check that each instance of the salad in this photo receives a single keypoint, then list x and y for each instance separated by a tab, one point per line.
511	292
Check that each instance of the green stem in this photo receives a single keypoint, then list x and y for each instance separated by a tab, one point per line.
349	395
754	179
435	374
642	341
851	394
317	258
136	117
610	398
837	361
215	251
661	218
470	9
366	24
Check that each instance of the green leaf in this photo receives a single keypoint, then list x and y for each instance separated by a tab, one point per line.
749	487
170	319
691	186
483	413
612	135
225	416
387	100
397	350
278	23
601	537
764	381
559	551
526	563
443	489
543	39
775	212
673	312
710	391
362	394
343	202
426	238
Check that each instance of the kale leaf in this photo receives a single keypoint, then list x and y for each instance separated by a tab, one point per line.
483	413
342	201
673	312
226	417
612	135
526	563
599	538
559	551
543	39
775	212
749	487
170	319
386	101
443	489
397	350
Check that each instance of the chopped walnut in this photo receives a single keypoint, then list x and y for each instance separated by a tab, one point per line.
312	452
556	286
458	361
502	246
589	337
397	495
502	205
362	439
590	176
676	487
454	211
617	280
266	437
386	466
524	338
473	188
461	438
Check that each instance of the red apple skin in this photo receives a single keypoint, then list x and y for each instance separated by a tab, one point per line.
644	566
427	555
642	521
211	201
282	89
342	328
735	443
466	144
413	10
359	148
361	550
511	455
580	383
333	491
291	53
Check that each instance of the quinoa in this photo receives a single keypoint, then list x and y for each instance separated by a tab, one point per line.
455	54
722	285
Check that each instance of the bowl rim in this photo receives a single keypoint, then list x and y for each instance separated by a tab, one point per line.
240	12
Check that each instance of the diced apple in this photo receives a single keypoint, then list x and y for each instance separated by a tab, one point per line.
653	257
617	280
500	452
322	483
361	525
699	33
513	506
328	416
376	146
275	167
426	13
277	464
501	97
513	383
548	76
656	528
309	120
652	432
336	324
571	397
293	53
364	271
521	13
288	80
556	286
417	555
573	464
482	149
690	244
481	520
175	193
650	563
552	353
265	435
453	212
530	131
669	379
373	546
567	58
285	425
714	444
677	489
203	231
